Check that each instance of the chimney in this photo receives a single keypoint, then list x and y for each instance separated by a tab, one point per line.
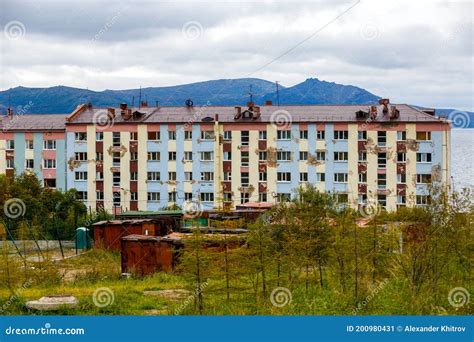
373	112
89	105
123	106
268	103
256	113
394	113
250	105
10	113
111	112
238	112
127	114
216	117
144	104
384	103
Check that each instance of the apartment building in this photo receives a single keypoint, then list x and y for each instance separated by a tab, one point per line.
147	158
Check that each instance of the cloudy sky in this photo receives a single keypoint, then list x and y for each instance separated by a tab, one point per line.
418	52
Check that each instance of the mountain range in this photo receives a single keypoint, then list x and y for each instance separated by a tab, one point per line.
63	99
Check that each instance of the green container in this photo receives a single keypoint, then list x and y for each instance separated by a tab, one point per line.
82	239
196	222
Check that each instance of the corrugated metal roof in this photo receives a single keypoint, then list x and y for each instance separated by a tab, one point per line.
33	122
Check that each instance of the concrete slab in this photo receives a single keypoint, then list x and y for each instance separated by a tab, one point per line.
53	302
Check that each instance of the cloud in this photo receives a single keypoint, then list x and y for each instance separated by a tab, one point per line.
412	52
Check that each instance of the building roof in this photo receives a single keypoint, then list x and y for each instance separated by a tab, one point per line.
292	113
122	222
33	122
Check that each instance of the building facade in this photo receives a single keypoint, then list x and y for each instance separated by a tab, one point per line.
148	158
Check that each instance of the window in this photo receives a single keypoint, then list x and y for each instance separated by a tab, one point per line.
172	175
342	198
320	177
320	135
172	196
422	199
116	139
81	175
207	176
244	138
382	200
188	135
381	138
133	176
303	176
244	158
382	160
80	136
244	197
171	156
284	135
262	155
283	176
362	199
10	163
381	181
423	136
28	144
188	175
99	136
80	156
49	144
362	156
29	163
303	155
115	178
188	156
227	176
99	175
283	155
304	135
401	178
154	156
341	156
362	135
207	135
340	178
320	156
99	195
423	157
133	136
153	196
172	136
341	135
227	196
262	135
116	159
81	195
401	199
362	178
423	178
207	156
262	176
227	135
401	157
262	196
283	197
10	145
244	178
401	136
188	196
99	156
133	196
153	176
116	198
133	156
49	163
207	197
154	136
227	155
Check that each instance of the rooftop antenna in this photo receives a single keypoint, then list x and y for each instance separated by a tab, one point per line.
140	98
278	92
